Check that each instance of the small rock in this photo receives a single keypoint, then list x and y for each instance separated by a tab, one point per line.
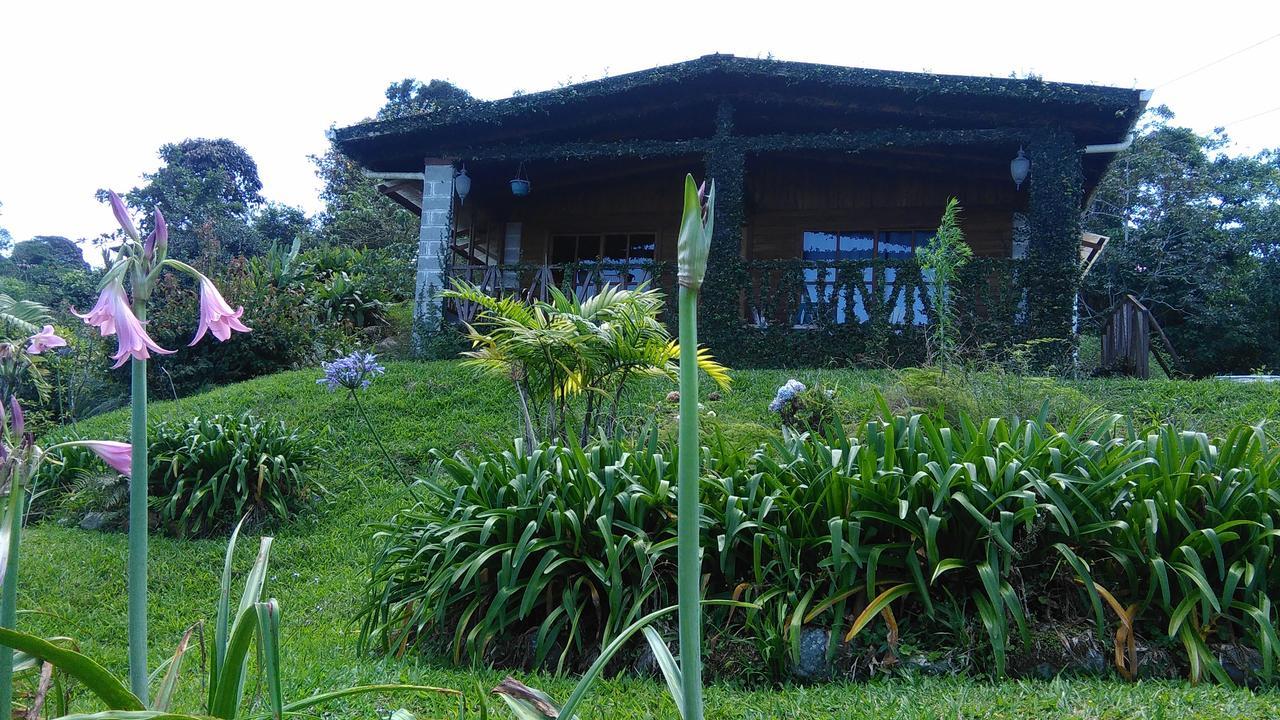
93	521
673	396
646	664
924	665
1242	664
813	664
713	395
1093	662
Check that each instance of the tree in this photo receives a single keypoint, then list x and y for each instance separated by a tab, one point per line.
208	191
356	214
1191	230
49	250
413	97
279	224
6	238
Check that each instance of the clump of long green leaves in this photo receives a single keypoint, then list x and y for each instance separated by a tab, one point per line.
203	475
1184	543
903	525
549	550
243	631
213	469
565	348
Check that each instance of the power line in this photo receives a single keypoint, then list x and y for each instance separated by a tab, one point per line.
1251	117
1215	62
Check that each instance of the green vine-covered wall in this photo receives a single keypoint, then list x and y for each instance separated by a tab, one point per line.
1028	299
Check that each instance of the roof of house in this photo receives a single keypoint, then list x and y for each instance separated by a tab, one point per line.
769	96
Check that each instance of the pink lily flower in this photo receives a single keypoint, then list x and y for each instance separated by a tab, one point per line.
112	316
122	214
158	238
216	315
45	340
17	425
118	455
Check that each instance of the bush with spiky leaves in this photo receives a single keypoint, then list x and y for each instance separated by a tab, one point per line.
569	359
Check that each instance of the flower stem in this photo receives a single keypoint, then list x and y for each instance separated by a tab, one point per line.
688	512
138	525
9	593
372	431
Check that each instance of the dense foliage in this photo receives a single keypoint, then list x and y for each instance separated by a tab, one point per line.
1194	236
205	474
908	533
556	350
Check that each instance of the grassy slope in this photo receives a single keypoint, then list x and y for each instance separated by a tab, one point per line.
76	578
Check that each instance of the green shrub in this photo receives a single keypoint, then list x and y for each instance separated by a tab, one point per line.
210	472
910	531
204	476
955	393
551	550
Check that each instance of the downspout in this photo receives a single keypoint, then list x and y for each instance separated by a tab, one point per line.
1111	147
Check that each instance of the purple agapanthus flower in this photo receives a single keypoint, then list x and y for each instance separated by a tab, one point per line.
786	394
353	372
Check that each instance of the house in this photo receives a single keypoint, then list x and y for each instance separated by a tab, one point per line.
828	179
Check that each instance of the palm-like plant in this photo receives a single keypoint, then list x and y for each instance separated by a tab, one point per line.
564	347
18	320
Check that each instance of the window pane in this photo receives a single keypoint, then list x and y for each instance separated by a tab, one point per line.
896	245
588	248
643	246
820	246
615	247
564	249
857	245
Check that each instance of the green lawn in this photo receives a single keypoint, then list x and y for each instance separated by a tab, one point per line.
72	581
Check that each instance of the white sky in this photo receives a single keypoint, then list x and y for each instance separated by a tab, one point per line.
90	90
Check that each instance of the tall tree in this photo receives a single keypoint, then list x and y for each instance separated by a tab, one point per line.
413	97
50	250
1191	227
356	214
6	238
208	191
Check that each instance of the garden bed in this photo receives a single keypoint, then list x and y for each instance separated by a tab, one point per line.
319	563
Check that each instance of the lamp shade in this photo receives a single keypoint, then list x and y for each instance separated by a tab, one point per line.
462	185
1019	169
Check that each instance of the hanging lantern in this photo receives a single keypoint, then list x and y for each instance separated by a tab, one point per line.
1019	168
462	185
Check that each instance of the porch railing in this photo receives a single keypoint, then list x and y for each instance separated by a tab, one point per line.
989	298
580	280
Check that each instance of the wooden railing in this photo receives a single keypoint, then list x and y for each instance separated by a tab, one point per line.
990	297
580	280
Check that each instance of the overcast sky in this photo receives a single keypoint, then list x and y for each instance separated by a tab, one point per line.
89	91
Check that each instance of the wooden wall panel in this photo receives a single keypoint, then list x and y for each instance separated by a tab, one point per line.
784	198
787	197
